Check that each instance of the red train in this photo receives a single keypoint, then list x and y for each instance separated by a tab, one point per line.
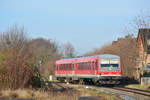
100	69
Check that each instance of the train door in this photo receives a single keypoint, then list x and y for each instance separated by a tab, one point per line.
94	67
73	68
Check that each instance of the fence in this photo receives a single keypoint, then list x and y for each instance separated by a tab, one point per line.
145	81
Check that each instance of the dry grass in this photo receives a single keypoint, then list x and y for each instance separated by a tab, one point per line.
53	95
39	95
22	93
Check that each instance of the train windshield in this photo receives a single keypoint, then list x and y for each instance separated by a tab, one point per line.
110	65
113	63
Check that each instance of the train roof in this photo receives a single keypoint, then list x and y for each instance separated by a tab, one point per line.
107	56
100	56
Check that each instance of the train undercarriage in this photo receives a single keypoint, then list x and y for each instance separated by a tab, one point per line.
97	81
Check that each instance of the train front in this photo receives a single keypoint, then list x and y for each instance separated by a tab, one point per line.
110	71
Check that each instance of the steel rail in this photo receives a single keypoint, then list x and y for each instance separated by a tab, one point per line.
131	90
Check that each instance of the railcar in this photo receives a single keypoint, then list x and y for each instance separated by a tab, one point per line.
100	69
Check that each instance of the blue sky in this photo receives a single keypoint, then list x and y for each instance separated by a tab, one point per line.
87	24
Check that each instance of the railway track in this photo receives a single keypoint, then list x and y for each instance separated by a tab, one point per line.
137	93
132	90
125	89
119	90
123	92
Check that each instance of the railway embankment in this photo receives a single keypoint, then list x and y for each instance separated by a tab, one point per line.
84	93
122	92
62	91
138	86
58	91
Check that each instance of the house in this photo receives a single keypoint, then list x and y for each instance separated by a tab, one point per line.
143	49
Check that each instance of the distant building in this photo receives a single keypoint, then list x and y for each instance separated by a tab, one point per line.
143	49
122	38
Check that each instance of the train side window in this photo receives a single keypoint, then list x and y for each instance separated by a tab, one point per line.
56	67
92	65
72	67
95	65
60	67
86	66
89	66
66	66
79	66
83	64
63	66
69	65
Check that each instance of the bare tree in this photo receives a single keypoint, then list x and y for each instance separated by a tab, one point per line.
13	43
23	60
68	50
125	47
140	21
45	53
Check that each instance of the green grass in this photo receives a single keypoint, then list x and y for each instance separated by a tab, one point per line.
139	86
